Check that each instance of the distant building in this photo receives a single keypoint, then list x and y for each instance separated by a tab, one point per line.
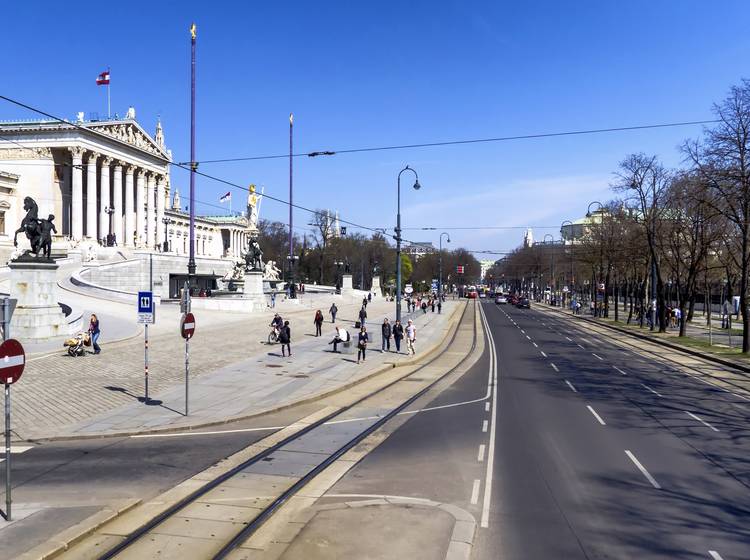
419	249
528	238
485	266
575	232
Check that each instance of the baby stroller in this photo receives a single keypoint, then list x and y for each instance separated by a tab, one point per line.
76	345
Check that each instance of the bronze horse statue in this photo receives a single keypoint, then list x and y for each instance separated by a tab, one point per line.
38	232
254	255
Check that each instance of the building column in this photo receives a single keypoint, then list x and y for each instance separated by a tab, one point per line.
117	204
151	212
140	209
104	203
160	203
76	202
91	207
129	216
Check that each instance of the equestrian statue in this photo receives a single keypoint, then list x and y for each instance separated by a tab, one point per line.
254	255
38	232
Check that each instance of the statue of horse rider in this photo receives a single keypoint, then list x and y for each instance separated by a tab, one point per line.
254	255
38	232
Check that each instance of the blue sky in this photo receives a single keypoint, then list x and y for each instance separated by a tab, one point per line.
370	74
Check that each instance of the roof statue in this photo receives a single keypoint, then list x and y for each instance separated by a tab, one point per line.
253	207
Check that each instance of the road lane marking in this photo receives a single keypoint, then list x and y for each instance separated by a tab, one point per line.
618	369
701	420
493	371
555	367
523	331
543	354
475	492
650	389
480	455
581	347
568	339
527	336
715	555
487	407
571	386
643	470
15	450
484	426
597	356
599	418
535	345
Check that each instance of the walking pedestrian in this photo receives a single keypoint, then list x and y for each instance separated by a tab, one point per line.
94	333
285	338
318	321
424	307
398	334
411	337
364	302
440	306
369	297
273	300
362	343
362	316
386	331
432	304
333	310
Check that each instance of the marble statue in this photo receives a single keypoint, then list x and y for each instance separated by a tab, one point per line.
38	232
253	201
270	271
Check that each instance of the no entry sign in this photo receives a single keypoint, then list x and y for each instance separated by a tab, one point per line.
12	361
187	328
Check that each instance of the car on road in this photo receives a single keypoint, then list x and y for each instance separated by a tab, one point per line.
501	300
524	303
482	295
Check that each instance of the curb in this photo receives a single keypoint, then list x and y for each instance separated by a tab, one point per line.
671	346
452	324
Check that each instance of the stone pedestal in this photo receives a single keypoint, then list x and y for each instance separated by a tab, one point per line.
346	285
37	315
253	289
376	289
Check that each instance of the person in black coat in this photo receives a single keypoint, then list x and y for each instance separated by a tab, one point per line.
386	330
362	343
362	316
398	335
285	338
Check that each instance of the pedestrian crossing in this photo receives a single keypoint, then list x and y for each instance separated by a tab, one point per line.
15	450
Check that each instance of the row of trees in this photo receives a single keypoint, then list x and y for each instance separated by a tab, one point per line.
679	236
366	255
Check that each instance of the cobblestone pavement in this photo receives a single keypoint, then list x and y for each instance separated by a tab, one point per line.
57	390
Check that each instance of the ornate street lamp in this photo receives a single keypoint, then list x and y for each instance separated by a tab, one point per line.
110	238
165	246
440	266
417	186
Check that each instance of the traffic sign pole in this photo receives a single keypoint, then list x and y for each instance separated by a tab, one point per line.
187	329
7	453
12	363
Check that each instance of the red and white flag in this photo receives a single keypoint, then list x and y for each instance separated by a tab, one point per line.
103	79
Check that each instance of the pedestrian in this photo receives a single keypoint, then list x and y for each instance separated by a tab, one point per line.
386	331
285	337
369	297
318	321
339	337
432	304
362	316
362	343
411	337
424	307
94	333
364	302
398	334
333	310
273	300
440	306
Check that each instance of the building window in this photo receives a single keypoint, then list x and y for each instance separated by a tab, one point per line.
2	222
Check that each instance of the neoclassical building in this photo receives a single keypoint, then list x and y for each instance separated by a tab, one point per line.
106	182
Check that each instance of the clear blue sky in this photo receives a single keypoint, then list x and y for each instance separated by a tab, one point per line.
361	74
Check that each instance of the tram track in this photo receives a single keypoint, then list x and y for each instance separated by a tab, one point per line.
321	430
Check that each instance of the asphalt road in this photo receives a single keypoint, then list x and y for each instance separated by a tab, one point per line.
598	451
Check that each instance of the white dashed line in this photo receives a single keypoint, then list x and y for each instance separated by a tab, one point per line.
643	470
618	369
581	347
487	406
715	555
555	368
475	492
568	339
535	345
484	426
523	331
598	418
527	336
650	389
571	386
597	356
701	420
480	455
543	354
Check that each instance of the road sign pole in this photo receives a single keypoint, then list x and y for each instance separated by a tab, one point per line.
7	452
187	373
145	362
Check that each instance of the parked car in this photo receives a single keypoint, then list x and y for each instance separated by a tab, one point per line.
501	300
524	303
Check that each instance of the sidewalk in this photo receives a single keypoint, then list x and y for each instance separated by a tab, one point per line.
233	373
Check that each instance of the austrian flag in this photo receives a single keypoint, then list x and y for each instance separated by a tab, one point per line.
226	197
103	79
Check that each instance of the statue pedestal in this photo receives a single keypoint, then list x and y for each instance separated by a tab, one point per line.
253	289
37	315
376	289
346	285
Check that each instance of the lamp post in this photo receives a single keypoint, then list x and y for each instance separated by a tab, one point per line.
595	283
166	221
572	280
338	264
109	211
440	265
292	259
398	236
552	265
193	164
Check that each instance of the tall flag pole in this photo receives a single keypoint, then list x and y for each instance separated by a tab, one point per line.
193	165
291	214
103	80
109	105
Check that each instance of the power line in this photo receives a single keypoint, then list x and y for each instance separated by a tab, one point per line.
469	141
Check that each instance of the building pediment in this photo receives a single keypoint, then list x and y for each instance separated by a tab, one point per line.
129	132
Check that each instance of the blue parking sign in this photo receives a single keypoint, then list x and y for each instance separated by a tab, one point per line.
145	307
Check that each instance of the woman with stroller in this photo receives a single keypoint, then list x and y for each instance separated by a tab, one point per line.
318	323
94	333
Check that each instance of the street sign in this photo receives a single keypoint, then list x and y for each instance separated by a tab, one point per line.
187	326
146	308
408	289
460	269
12	361
11	307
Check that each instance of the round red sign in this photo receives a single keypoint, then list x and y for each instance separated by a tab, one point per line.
12	361
187	328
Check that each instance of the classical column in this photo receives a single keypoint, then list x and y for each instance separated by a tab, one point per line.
91	207
140	209
76	202
104	202
151	213
160	200
117	205
129	216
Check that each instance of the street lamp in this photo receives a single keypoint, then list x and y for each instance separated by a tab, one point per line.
291	259
417	186
572	280
440	266
165	246
110	236
552	266
338	264
595	283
